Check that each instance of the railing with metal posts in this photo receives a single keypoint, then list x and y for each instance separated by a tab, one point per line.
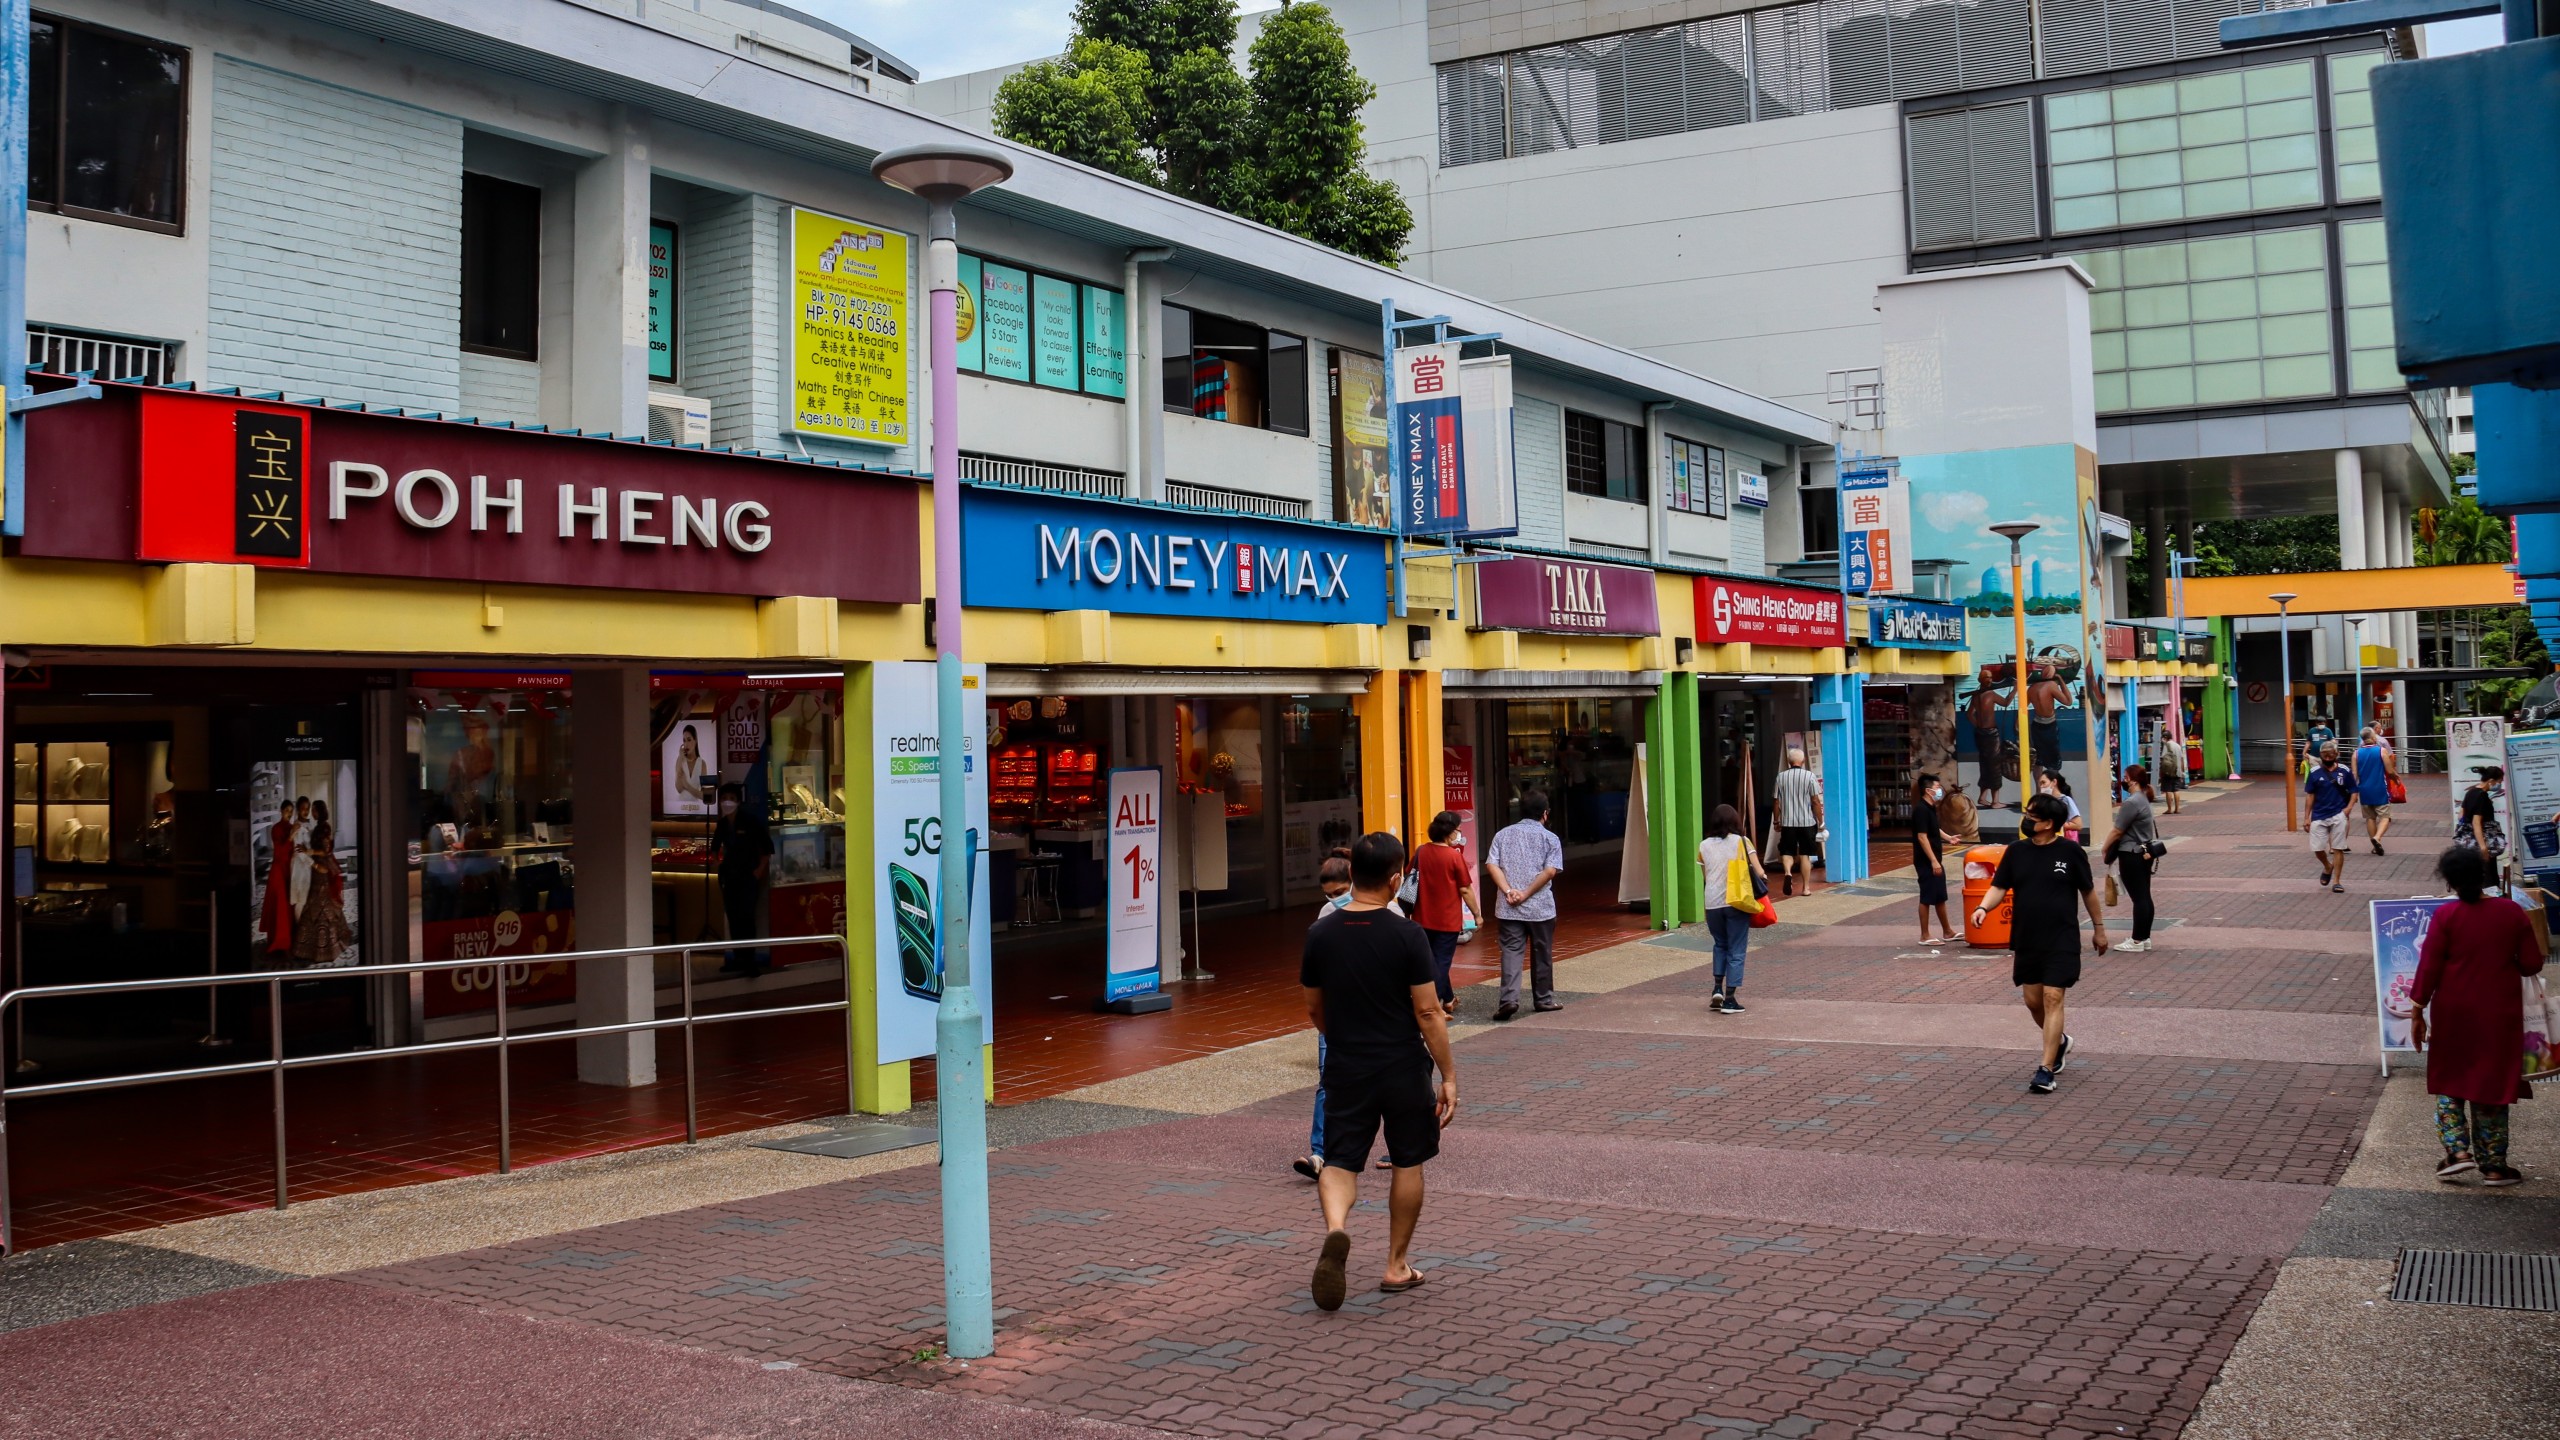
277	1062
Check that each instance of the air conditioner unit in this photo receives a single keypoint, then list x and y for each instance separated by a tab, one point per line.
680	419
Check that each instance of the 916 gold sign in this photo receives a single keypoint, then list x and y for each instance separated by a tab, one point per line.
267	505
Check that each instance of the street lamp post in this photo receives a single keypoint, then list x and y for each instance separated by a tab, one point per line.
2014	531
941	175
2284	649
2356	623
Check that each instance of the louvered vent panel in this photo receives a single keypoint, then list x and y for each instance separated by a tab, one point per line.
1922	41
2196	25
2004	172
1555	100
1471	112
1941	180
2074	37
1653	100
1715	64
1859	53
1789	76
2139	32
1996	42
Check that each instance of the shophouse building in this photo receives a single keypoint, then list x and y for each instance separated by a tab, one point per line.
506	436
1729	186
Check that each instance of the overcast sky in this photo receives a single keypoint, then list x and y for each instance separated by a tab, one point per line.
952	37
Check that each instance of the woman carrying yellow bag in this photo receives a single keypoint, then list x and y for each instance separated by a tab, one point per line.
1731	867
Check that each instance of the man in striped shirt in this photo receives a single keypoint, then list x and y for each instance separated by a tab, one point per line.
1798	799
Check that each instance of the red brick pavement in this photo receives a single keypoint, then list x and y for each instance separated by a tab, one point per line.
2175	975
1178	1300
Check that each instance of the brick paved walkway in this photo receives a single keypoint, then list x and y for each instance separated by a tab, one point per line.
1632	1233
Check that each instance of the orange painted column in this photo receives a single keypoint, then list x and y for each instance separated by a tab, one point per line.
1424	730
1381	754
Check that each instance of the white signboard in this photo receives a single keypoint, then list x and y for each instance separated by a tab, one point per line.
1493	482
2471	741
907	841
1132	882
2533	797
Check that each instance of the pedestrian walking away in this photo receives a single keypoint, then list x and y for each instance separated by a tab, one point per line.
2048	876
1523	862
1366	972
1444	901
1724	846
2469	1016
2332	788
2133	847
1797	797
2376	768
2173	773
1929	854
1333	877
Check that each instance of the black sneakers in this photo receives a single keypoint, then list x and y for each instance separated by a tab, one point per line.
2044	1082
1732	1005
2062	1056
2455	1163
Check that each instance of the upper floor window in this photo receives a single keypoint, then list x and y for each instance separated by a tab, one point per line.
501	267
1603	457
1231	370
2221	143
1041	329
107	125
1697	479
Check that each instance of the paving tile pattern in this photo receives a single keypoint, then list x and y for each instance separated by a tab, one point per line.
2178	975
1607	1321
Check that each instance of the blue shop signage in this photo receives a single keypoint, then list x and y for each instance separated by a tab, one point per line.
1045	552
1914	624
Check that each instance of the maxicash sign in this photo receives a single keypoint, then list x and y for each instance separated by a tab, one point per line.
1748	610
1039	552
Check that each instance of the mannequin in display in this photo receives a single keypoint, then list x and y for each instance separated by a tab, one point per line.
321	933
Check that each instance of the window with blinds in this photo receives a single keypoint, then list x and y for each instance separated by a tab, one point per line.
1730	70
1972	175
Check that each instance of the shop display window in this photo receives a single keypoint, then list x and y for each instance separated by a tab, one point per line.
773	865
91	803
1050	765
1581	752
489	840
1320	784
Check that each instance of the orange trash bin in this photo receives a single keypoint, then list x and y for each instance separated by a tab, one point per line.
1980	863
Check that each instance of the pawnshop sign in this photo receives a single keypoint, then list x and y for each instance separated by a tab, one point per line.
221	479
1040	552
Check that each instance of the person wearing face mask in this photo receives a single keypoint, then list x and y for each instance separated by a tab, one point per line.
1929	855
746	858
2134	847
2046	873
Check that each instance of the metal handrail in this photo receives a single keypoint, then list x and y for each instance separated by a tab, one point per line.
503	1040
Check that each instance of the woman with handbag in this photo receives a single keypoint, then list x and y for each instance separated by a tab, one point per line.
2134	848
2469	1015
2478	829
1736	888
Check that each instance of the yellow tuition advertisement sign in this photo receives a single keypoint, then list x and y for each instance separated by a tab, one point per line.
849	329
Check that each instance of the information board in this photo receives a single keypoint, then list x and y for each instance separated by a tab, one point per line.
848	310
1106	342
1055	361
662	301
1004	313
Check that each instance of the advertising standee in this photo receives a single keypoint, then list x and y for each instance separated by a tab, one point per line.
907	839
1134	891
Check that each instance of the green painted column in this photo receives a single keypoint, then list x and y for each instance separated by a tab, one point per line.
2216	705
1674	822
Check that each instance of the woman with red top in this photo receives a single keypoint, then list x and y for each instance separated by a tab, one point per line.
2479	948
1444	900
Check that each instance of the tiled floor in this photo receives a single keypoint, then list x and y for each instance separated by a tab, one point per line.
83	1166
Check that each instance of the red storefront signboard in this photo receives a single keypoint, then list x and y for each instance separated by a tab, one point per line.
1764	614
176	475
1569	597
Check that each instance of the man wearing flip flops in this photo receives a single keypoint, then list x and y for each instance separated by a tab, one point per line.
1370	991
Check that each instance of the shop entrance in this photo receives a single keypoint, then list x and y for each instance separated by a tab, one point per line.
1579	750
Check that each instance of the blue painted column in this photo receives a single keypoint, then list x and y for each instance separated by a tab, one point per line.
14	41
1840	717
2129	725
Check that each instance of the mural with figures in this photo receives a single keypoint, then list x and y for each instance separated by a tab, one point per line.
1955	499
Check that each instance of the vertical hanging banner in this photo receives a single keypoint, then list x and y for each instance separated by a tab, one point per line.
1493	483
1875	523
1133	891
907	840
1430	462
848	315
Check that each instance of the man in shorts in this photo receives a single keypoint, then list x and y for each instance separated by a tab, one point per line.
1798	799
2048	876
1369	988
2332	788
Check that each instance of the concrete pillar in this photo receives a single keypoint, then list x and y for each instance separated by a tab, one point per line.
609	779
2351	510
1657	497
609	331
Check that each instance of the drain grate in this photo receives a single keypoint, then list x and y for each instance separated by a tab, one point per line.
2468	1277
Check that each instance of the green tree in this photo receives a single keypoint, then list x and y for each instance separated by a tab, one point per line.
1089	105
1282	144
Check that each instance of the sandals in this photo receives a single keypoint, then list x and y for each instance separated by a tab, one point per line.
1330	1286
1398	1287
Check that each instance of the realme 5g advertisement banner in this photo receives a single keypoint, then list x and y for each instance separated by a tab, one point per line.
907	840
848	315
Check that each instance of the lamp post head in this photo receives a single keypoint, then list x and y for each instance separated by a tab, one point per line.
942	172
2283	598
2014	531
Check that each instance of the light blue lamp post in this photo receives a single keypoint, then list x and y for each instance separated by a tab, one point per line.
2356	643
942	175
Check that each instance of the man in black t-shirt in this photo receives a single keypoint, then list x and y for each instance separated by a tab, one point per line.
2050	880
1370	991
